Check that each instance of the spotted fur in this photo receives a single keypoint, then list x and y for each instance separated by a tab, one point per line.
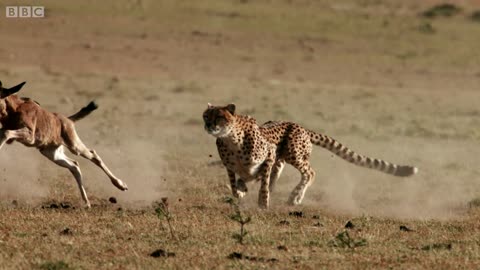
294	146
242	148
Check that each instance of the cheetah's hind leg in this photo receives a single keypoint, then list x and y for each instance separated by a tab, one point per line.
308	175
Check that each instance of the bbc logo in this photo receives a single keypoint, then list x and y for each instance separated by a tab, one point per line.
25	12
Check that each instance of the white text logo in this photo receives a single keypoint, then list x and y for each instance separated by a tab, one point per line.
25	12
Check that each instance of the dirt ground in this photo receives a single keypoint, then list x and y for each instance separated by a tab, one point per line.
375	75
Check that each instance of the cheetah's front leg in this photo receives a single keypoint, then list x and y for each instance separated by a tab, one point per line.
241	188
276	172
237	191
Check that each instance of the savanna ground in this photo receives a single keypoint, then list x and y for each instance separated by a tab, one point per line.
373	74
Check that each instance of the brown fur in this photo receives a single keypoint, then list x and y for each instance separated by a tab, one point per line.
23	120
47	128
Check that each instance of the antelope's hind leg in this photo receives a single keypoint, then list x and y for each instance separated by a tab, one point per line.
57	155
78	148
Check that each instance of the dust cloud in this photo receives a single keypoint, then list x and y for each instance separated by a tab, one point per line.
21	174
27	176
441	190
139	163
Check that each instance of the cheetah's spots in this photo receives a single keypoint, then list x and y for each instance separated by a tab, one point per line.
260	152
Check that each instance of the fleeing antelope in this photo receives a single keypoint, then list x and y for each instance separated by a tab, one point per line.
23	120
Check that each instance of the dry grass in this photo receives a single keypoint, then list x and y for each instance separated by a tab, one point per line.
373	74
108	237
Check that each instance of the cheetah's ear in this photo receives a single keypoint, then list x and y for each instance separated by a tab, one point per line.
231	108
209	105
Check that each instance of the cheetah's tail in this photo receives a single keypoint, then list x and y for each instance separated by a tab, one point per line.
351	156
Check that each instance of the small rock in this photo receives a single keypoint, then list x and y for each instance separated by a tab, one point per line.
54	206
112	200
66	231
405	228
235	255
282	247
284	222
65	205
162	253
298	214
349	225
240	256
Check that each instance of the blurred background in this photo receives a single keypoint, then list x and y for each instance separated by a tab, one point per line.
397	80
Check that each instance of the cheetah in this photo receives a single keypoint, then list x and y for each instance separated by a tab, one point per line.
292	144
242	149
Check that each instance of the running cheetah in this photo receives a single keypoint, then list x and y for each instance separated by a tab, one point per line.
244	147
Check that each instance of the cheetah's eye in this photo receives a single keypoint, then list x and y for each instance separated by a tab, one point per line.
220	119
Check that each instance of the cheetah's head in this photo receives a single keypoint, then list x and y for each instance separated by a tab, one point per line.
219	120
